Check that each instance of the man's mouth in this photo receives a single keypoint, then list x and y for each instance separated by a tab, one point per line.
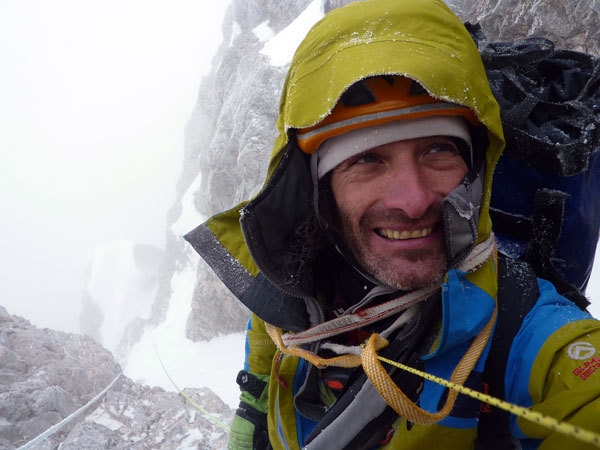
398	235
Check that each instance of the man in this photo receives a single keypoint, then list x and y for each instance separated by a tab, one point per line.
372	235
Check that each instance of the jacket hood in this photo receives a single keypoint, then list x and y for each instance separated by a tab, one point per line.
419	39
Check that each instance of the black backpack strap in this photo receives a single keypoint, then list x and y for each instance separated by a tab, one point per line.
517	293
547	223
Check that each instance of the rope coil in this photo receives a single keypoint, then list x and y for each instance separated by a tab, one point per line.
380	379
366	357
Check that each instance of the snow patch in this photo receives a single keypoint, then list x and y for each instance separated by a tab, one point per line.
102	417
213	364
191	440
263	32
278	48
236	30
189	217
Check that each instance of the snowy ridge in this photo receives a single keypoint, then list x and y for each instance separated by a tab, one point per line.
279	49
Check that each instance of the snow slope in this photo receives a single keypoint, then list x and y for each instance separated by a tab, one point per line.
165	352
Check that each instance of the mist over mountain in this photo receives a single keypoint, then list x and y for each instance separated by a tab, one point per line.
157	320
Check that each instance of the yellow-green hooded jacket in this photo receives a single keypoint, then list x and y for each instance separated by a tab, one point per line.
249	245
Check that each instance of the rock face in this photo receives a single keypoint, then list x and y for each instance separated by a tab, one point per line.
45	376
138	417
571	24
228	139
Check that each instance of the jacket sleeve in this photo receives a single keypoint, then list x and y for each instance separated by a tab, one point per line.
556	365
249	427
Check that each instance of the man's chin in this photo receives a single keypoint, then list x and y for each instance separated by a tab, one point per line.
410	275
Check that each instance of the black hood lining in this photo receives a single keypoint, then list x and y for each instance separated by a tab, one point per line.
269	221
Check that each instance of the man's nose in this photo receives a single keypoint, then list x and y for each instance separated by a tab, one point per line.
406	188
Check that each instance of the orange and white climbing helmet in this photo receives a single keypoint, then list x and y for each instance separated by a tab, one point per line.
379	110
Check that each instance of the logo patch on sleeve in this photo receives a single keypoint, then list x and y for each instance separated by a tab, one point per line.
580	351
584	351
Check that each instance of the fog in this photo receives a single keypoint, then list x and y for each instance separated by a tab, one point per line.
94	97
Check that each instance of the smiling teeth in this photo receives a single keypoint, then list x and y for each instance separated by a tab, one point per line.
402	235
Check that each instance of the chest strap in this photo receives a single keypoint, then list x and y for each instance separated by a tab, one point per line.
517	293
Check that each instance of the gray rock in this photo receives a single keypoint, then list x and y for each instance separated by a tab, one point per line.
228	140
51	375
570	24
139	417
92	436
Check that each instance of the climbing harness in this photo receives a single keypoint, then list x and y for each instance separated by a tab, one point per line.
381	381
392	394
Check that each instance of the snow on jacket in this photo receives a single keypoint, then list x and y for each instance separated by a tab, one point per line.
248	245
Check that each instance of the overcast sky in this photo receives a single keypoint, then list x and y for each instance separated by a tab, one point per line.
94	97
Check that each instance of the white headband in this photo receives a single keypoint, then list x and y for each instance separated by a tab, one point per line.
337	149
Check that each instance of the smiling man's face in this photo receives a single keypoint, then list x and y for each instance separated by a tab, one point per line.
389	202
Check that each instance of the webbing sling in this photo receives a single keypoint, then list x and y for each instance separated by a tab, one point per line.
386	387
360	418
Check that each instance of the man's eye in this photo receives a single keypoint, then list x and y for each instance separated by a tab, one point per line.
443	148
367	158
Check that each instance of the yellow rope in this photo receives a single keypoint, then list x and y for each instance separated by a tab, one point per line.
394	396
533	416
380	379
406	408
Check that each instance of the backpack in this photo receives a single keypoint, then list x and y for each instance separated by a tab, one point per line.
545	204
